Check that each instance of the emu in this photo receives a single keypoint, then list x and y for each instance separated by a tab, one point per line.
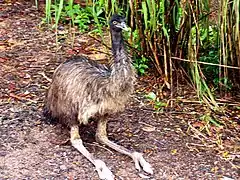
82	89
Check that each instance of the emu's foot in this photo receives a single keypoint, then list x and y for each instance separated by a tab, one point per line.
103	171
141	162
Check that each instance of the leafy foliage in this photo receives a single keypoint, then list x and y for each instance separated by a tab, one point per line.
209	119
212	72
157	104
141	65
77	15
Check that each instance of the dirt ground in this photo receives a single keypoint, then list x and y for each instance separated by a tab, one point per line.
33	149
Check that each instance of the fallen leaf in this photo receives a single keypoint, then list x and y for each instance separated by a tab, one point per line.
198	124
174	151
149	128
225	155
98	56
3	59
13	42
214	169
11	86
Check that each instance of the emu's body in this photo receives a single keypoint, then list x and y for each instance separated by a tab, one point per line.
82	88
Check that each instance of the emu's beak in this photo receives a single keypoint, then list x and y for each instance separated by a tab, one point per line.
123	26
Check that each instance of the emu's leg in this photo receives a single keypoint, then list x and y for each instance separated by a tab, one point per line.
102	169
101	136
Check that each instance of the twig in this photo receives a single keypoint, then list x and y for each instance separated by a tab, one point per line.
95	144
187	101
201	145
146	124
224	101
198	133
181	112
191	148
44	75
206	63
199	102
21	98
97	50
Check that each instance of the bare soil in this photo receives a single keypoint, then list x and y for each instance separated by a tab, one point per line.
33	149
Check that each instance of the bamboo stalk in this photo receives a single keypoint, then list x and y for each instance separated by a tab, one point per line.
206	63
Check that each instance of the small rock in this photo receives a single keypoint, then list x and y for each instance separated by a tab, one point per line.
226	178
63	167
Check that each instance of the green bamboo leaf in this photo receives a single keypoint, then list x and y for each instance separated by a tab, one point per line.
151	96
58	12
48	10
145	14
165	31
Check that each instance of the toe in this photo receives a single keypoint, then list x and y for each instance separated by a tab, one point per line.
140	161
137	165
103	171
148	168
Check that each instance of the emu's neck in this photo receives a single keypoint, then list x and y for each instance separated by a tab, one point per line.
122	73
118	51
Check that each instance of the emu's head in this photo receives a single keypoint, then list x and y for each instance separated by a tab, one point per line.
118	23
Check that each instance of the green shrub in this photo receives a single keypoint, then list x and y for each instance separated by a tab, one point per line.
141	65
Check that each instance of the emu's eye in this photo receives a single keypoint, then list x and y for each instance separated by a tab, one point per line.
114	22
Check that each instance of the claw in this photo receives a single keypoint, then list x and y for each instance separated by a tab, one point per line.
103	171
140	161
147	168
137	165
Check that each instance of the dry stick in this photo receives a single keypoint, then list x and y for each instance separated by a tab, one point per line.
155	58
97	50
140	122
171	77
21	98
44	75
132	19
220	103
199	102
206	63
165	60
96	144
198	133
